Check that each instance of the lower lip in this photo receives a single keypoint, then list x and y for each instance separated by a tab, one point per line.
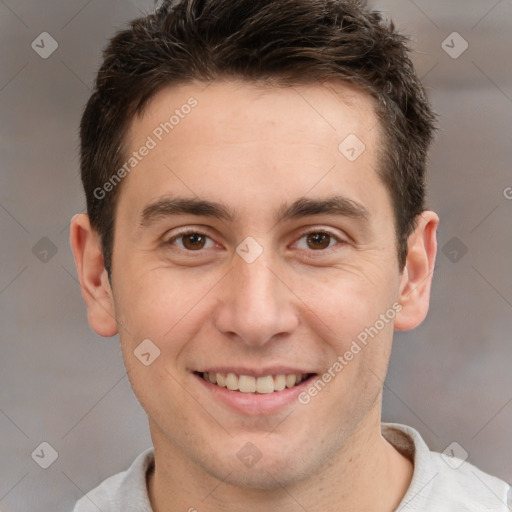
255	403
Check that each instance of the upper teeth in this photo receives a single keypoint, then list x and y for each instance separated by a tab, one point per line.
250	384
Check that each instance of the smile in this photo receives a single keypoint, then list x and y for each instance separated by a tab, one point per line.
249	384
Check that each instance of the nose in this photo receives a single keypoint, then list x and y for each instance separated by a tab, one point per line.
254	305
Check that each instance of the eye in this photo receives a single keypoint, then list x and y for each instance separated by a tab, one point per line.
318	240
191	241
195	241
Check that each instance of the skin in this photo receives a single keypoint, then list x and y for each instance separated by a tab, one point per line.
299	304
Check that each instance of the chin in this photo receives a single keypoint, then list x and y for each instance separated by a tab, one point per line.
263	464
264	475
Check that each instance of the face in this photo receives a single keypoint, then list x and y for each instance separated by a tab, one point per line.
252	240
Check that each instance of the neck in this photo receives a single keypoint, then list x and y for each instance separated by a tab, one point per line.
366	474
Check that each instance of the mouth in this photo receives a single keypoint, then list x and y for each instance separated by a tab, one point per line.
250	384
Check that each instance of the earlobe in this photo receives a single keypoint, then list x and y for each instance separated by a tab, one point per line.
93	277
414	293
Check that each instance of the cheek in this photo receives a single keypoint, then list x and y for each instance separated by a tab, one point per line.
155	303
347	300
353	313
159	316
160	393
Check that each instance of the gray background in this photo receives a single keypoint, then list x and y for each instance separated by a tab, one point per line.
62	384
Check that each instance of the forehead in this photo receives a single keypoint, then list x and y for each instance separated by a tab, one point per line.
332	106
240	141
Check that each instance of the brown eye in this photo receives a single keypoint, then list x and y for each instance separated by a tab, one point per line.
318	240
191	241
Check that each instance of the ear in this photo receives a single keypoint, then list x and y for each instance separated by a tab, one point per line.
93	277
418	272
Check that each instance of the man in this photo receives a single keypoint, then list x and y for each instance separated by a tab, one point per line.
256	230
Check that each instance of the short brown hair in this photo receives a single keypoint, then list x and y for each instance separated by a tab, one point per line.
289	42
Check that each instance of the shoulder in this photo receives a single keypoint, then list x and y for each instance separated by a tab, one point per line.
467	486
445	482
102	497
123	491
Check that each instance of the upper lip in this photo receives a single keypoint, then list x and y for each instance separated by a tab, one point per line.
255	372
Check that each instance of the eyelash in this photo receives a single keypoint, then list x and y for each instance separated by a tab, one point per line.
307	233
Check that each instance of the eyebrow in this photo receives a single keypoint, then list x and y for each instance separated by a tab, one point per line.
302	207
